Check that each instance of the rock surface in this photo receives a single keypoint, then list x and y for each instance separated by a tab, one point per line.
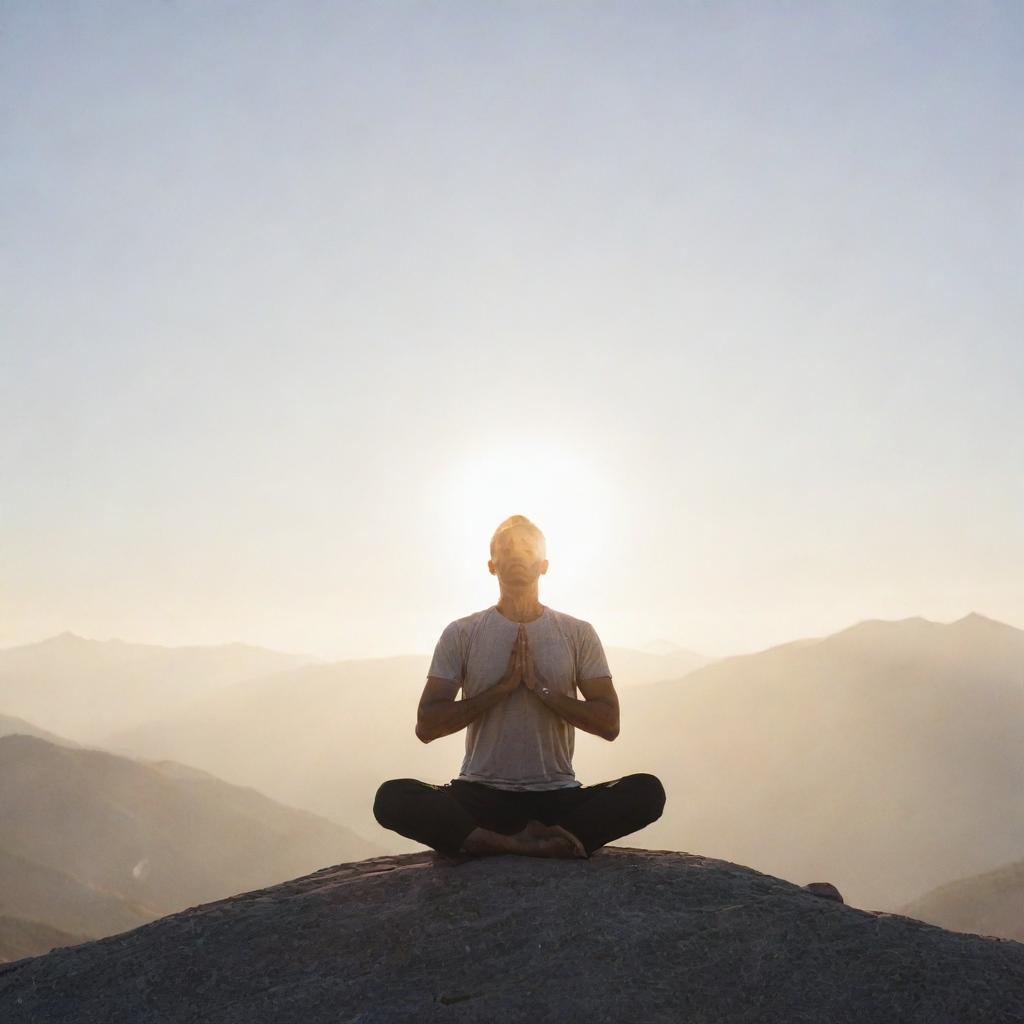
629	935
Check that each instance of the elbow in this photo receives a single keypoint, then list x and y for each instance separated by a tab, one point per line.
422	734
612	733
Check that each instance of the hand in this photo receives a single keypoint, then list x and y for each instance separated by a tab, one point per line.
532	678
516	660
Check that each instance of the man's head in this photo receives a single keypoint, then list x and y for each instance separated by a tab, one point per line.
518	552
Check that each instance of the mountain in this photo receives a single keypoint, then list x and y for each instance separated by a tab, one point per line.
20	938
10	726
86	688
50	896
93	843
628	935
988	904
630	667
884	757
322	737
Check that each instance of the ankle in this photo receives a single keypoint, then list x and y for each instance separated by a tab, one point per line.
482	840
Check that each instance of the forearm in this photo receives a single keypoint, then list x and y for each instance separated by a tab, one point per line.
593	716
443	717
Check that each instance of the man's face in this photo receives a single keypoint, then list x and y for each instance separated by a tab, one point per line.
518	556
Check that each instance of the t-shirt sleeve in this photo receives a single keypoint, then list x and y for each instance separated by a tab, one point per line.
593	662
447	660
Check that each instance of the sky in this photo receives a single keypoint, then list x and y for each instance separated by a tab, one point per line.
301	300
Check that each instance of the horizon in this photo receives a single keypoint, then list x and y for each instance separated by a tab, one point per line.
676	648
302	303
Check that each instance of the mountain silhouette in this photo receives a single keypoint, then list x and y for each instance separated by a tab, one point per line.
884	757
84	688
629	935
94	843
10	725
20	938
987	904
30	891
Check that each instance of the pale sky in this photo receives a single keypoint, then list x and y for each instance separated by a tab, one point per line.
300	300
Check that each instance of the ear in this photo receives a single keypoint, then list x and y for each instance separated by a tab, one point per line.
491	567
543	567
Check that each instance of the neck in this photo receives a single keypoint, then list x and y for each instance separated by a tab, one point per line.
520	605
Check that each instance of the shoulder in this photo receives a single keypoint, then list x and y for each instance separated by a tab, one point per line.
572	626
464	626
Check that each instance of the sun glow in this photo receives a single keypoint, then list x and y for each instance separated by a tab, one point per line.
562	491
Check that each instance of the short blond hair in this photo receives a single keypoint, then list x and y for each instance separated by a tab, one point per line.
522	521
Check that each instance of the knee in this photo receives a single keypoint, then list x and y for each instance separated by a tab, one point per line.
650	792
388	800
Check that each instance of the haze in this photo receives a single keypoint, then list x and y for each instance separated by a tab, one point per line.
301	300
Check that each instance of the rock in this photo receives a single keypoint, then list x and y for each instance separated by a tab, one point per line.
826	890
628	935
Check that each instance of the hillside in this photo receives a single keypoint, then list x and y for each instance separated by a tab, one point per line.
635	668
94	843
988	904
56	898
884	757
20	938
629	935
11	725
321	737
84	688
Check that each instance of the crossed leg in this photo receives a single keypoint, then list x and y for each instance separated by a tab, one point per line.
606	811
469	817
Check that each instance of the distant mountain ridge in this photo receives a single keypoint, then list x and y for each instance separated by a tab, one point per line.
85	688
35	891
20	938
884	756
991	903
631	667
10	725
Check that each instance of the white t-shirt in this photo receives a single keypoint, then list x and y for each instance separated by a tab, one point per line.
519	743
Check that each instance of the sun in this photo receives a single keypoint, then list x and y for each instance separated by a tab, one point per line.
561	490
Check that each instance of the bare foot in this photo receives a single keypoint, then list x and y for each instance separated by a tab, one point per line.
537	830
535	840
534	828
548	846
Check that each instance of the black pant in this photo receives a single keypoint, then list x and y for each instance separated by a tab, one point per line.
442	816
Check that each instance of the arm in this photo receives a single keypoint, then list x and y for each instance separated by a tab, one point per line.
598	714
440	713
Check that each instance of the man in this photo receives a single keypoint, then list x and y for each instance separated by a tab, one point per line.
518	664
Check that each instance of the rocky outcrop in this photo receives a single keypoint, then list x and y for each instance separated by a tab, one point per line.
628	935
